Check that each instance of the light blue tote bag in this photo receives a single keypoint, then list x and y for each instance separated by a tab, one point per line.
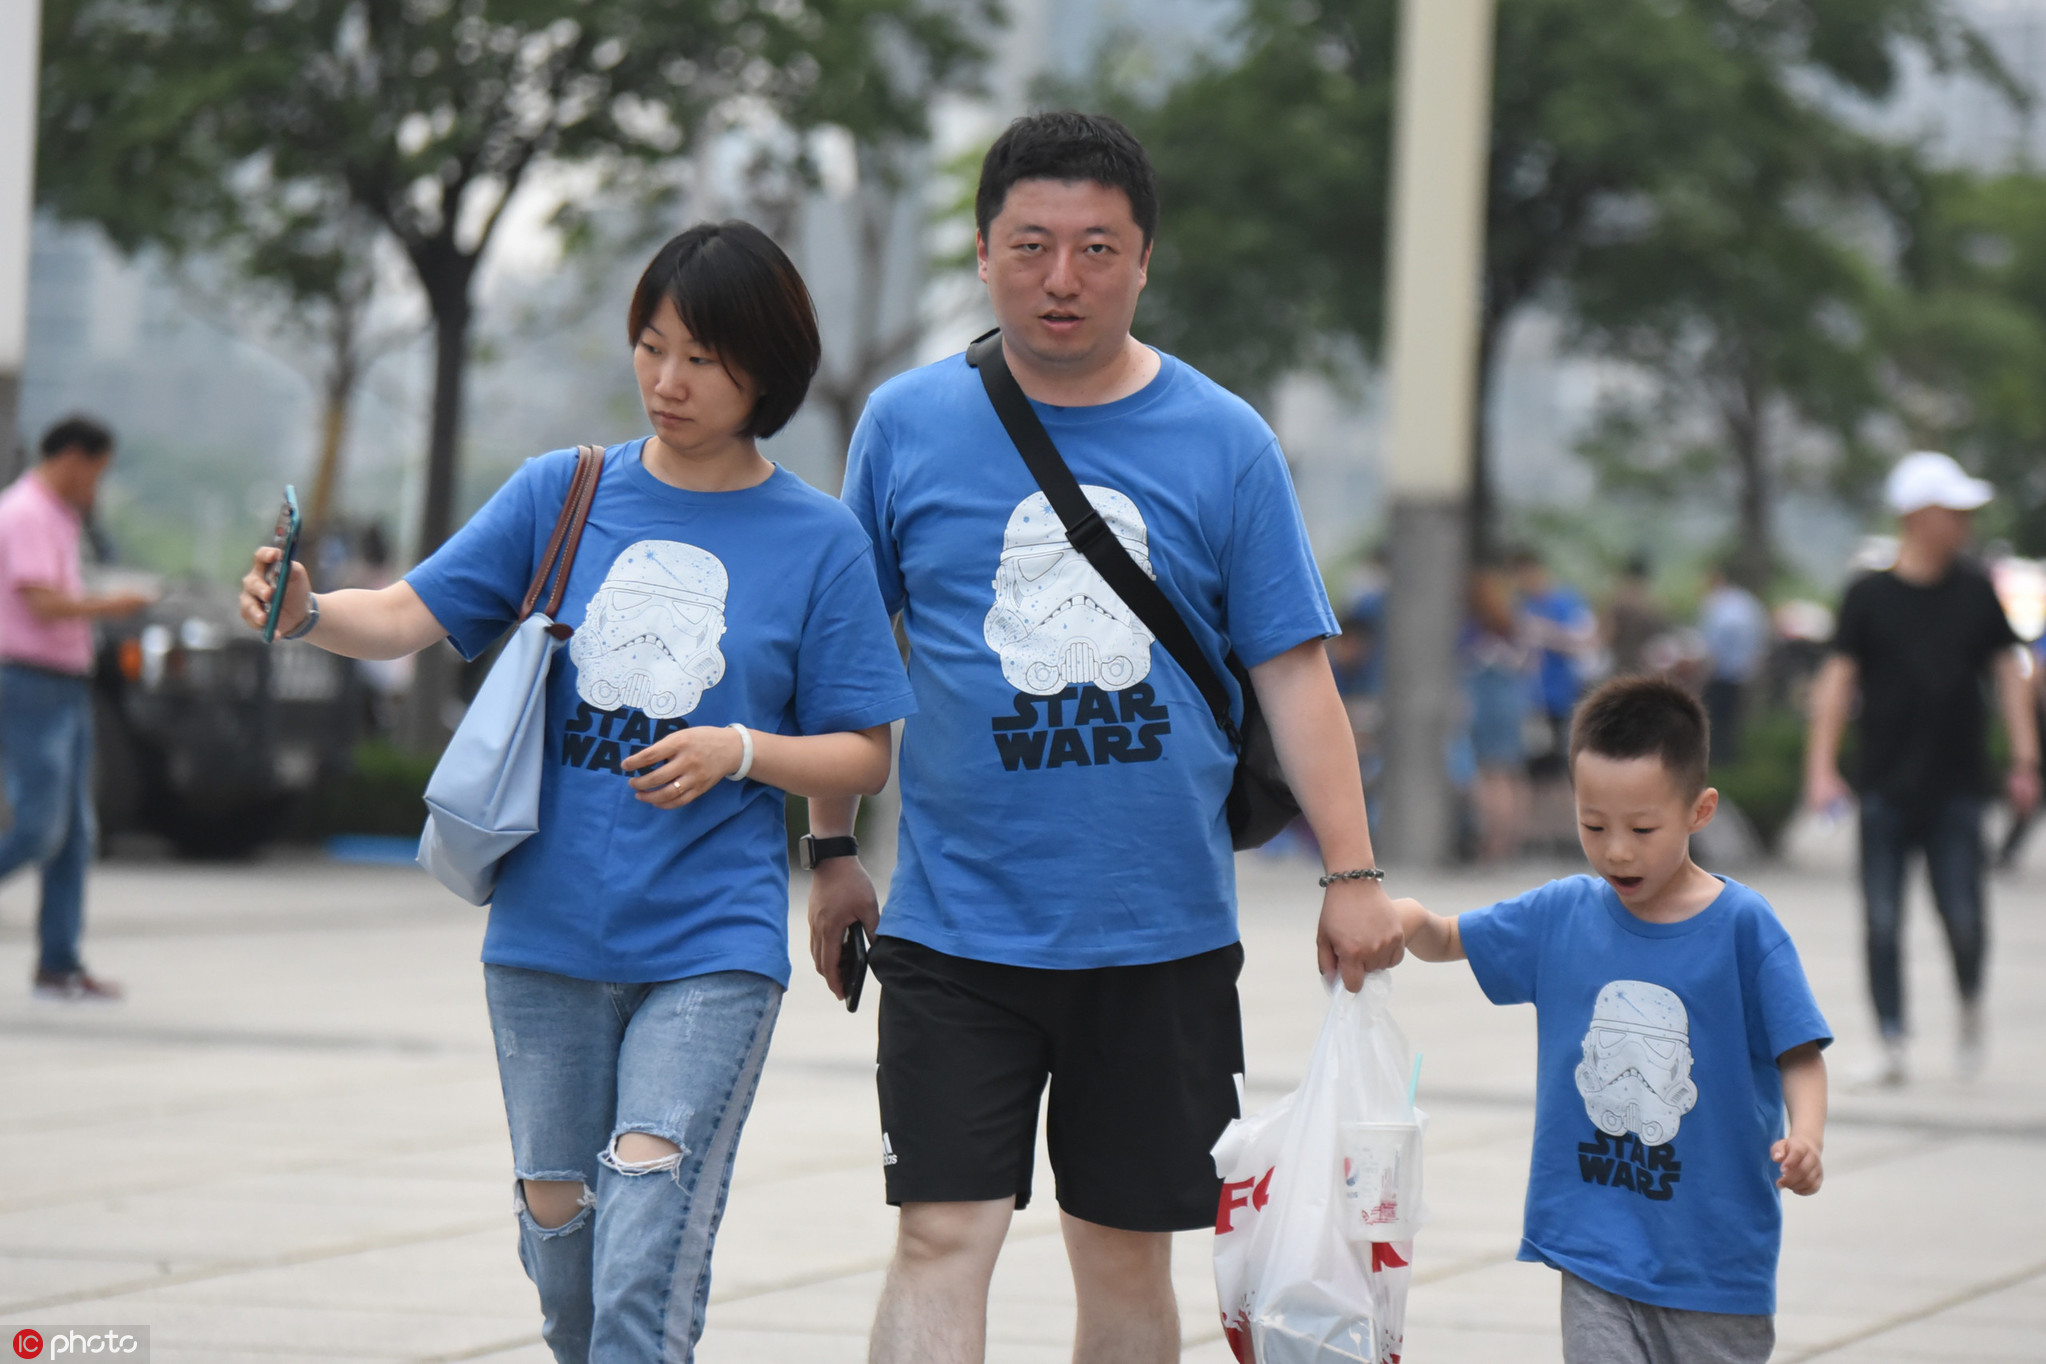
484	797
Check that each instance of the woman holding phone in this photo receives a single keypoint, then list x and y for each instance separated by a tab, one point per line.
729	645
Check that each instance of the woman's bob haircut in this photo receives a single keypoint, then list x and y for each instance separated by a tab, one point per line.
742	299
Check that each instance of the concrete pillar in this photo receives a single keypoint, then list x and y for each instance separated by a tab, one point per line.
1441	143
20	45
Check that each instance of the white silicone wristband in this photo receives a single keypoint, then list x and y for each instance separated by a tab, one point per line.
745	752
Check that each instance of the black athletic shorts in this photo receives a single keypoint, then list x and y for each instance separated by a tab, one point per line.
1142	1062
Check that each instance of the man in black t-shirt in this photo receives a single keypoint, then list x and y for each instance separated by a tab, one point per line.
1919	641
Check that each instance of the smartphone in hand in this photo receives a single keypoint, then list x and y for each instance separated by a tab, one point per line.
289	524
852	963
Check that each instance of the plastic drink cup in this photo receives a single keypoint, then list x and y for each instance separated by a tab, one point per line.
1381	1180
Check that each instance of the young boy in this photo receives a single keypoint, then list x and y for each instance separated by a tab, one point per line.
1675	1027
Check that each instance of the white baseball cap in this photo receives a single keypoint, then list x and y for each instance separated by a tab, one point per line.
1929	479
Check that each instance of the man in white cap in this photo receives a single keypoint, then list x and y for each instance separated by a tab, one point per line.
1916	641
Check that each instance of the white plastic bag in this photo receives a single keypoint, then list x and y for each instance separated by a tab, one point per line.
1313	1188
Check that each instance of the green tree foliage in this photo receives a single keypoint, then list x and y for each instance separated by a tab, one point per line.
1743	290
1610	119
164	120
1970	338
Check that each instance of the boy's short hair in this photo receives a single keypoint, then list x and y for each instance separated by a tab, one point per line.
1640	717
77	433
742	298
1068	146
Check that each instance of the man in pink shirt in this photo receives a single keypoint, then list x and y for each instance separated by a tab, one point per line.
46	691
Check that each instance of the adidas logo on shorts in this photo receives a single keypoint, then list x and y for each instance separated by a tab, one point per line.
887	1150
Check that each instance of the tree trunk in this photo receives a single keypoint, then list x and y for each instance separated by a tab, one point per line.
1745	414
447	286
339	392
445	273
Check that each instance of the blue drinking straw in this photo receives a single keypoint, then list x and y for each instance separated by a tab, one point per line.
1414	1082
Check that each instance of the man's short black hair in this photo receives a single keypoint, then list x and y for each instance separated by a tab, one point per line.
1068	146
742	297
77	433
1641	717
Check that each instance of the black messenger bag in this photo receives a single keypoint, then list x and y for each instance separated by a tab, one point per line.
1260	801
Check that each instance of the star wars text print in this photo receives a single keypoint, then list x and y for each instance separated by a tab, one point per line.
649	638
601	740
1075	653
1635	1080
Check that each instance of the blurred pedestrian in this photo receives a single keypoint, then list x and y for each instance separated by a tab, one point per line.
2022	822
1918	641
1633	619
1496	701
1736	628
1065	908
46	619
1558	626
729	644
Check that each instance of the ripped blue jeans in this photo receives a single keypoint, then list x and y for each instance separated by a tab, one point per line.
625	1280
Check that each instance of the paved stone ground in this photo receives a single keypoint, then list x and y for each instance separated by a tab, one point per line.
288	1145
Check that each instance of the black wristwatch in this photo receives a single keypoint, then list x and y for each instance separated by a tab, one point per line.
810	850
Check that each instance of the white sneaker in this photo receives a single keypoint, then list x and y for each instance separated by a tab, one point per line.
1973	1051
1888	1072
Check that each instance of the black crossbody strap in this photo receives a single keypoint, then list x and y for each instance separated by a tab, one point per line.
1088	533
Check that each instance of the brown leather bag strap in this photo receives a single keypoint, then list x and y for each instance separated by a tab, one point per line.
568	531
593	456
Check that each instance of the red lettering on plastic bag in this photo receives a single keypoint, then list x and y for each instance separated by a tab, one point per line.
1242	1193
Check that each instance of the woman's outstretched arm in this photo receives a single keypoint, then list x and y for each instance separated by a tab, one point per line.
385	622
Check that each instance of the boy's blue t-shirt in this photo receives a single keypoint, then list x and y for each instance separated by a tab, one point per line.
1063	781
757	606
1657	1094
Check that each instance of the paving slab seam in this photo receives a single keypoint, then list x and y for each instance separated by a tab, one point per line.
866	1265
217	1102
255	925
1837	1167
1958	1298
496	1347
157	1035
247	1168
221	1269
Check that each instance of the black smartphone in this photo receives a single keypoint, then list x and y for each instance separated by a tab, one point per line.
852	963
289	523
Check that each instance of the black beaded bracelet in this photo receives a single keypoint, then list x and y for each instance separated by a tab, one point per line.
1361	874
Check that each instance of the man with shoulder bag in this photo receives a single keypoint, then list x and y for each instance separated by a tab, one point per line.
1115	625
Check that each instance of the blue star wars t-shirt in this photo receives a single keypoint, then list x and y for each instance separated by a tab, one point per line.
758	607
1657	1094
1063	781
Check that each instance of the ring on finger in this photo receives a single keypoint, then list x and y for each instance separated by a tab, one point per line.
677	783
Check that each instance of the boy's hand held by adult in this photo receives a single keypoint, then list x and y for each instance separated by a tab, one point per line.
1359	931
1803	1170
677	768
840	893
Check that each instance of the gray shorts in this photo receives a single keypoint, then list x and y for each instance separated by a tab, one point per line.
1605	1328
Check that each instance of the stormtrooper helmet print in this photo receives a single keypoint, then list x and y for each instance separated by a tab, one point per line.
1636	1072
1055	622
649	638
